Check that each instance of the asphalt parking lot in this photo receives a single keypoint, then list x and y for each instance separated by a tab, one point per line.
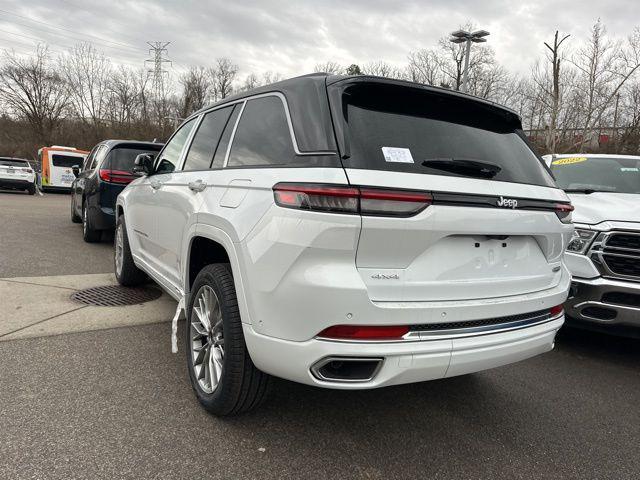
115	403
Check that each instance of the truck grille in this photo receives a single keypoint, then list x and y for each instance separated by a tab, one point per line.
624	240
621	255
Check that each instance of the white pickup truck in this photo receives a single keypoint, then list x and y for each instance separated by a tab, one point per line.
604	253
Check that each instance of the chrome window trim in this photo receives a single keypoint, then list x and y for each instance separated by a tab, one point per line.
187	144
285	104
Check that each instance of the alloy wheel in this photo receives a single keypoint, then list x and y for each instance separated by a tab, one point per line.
207	339
119	249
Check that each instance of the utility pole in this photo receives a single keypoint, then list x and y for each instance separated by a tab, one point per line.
462	36
158	51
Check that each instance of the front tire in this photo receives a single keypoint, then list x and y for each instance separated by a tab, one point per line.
127	274
224	378
88	233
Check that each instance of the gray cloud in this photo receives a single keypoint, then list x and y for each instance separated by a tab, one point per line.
290	37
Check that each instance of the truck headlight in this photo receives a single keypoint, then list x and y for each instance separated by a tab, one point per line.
580	241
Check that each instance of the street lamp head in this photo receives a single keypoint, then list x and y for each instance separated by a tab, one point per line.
480	33
460	34
478	40
457	40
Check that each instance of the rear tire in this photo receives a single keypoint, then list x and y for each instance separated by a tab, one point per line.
32	190
237	386
75	218
88	233
127	274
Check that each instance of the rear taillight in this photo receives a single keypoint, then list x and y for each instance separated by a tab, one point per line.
555	311
364	332
116	176
563	211
348	199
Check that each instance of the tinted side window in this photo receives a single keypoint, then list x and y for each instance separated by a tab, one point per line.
89	159
170	156
123	157
221	151
206	140
263	136
65	161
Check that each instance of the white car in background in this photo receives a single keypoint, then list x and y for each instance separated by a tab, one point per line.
604	253
17	174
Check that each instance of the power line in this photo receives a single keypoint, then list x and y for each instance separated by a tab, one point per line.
50	26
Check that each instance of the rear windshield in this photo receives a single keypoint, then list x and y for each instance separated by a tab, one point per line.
599	174
122	158
65	161
401	129
13	163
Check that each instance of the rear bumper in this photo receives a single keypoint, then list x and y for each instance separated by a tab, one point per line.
16	183
402	362
589	302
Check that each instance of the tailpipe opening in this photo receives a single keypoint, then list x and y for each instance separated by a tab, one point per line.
346	369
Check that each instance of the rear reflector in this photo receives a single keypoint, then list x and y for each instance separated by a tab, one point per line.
557	310
563	211
365	332
116	176
349	199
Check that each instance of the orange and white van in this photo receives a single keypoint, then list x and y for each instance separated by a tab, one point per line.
57	163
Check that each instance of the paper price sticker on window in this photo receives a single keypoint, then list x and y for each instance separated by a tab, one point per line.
397	155
568	161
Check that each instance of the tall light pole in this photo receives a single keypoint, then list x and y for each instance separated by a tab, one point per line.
462	36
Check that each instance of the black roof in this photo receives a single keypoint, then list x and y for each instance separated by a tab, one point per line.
309	110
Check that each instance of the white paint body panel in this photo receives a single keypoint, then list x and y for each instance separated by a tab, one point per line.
297	272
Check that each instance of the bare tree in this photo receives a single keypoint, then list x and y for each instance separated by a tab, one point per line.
125	97
329	67
382	69
88	73
196	85
222	76
33	90
425	66
271	77
604	67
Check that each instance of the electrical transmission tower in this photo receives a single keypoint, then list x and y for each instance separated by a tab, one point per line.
158	51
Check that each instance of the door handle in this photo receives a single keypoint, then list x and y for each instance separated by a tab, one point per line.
155	184
197	186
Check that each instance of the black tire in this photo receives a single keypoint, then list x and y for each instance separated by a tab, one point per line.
242	387
31	189
89	234
75	218
128	275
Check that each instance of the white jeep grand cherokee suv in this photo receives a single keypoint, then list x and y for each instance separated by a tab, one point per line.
348	232
604	253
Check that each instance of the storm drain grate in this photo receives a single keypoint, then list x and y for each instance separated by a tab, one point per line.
115	295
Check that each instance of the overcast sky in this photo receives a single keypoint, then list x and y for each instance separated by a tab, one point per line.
291	37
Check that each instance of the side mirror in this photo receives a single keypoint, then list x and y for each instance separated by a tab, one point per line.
143	164
76	170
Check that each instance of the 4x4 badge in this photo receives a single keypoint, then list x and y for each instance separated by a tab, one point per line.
507	202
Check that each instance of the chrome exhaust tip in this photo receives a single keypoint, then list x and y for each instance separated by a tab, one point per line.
347	369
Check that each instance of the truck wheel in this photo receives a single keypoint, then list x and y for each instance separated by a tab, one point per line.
88	233
222	374
127	273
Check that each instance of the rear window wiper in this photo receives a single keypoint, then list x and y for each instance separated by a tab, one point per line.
464	166
586	191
